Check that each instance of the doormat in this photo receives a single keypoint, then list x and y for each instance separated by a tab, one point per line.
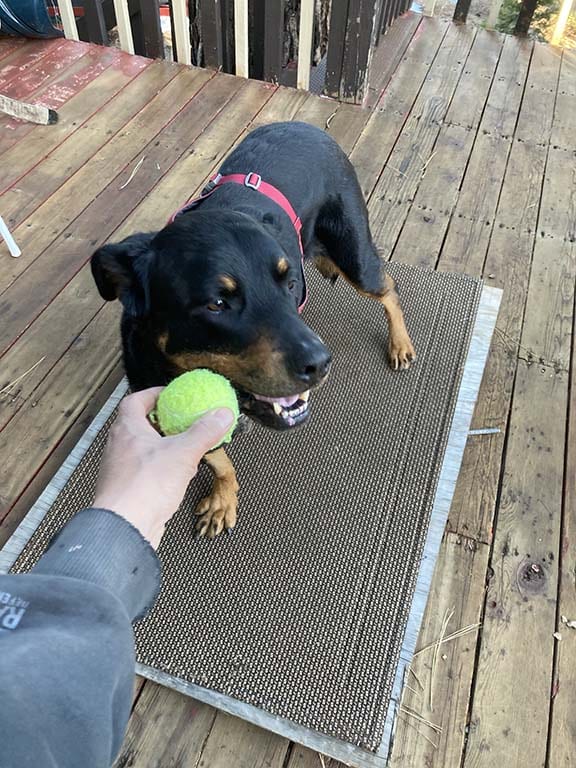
304	618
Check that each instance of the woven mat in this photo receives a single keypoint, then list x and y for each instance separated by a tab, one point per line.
302	610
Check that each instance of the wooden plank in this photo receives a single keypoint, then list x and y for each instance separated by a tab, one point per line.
82	106
124	25
66	85
271	13
558	217
514	672
78	192
482	71
193	171
235	742
507	92
424	231
507	267
527	8
521	600
241	37
152	30
565	112
22	59
182	31
77	303
58	401
68	21
96	223
9	45
38	478
347	125
375	144
472	224
57	60
69	156
563	727
392	197
461	11
181	727
95	22
335	52
211	32
458	585
546	338
305	36
540	95
388	55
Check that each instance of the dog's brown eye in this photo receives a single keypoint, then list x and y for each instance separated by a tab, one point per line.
217	306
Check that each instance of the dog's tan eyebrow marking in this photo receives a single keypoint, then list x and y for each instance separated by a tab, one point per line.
228	283
282	266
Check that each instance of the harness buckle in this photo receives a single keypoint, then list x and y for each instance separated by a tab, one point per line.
253	180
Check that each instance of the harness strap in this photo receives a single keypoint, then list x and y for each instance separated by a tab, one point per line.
253	181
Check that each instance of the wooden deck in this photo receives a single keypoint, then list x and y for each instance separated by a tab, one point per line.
468	161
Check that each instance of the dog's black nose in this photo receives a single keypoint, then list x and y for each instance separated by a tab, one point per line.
313	362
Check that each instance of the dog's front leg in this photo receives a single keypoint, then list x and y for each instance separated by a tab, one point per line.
218	511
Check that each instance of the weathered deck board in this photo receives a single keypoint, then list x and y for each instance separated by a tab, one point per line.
511	703
495	117
81	76
520	616
563	691
458	586
72	152
392	197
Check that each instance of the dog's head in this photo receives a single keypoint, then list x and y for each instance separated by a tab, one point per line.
218	291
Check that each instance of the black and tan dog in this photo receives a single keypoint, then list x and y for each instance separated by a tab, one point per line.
222	285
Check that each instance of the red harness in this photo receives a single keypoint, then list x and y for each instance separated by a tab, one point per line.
254	181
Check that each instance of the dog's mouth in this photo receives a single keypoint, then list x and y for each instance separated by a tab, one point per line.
276	412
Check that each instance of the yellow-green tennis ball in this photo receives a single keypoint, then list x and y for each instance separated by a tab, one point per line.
190	396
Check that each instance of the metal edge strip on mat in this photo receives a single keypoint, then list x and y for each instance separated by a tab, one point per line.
474	366
459	430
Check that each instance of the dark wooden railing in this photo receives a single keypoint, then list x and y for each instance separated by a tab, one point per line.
247	37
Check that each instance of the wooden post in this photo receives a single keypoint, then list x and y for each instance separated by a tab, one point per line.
561	22
461	10
525	17
152	29
211	31
182	31
124	26
241	37
305	39
95	22
68	20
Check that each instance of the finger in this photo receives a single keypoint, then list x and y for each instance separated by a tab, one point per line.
140	403
207	431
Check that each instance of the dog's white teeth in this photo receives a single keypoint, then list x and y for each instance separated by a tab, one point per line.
277	408
305	395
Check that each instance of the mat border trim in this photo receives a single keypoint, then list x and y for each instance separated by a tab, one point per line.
484	325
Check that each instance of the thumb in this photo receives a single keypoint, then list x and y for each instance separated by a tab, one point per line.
208	430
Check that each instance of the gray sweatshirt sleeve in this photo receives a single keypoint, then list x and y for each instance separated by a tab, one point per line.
67	647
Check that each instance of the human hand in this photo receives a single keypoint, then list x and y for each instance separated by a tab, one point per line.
143	476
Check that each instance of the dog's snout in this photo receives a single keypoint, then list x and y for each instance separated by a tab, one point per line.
313	362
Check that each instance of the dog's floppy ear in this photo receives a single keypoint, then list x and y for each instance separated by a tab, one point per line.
120	271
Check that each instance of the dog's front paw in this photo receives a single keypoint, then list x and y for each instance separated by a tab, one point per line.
401	351
217	512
